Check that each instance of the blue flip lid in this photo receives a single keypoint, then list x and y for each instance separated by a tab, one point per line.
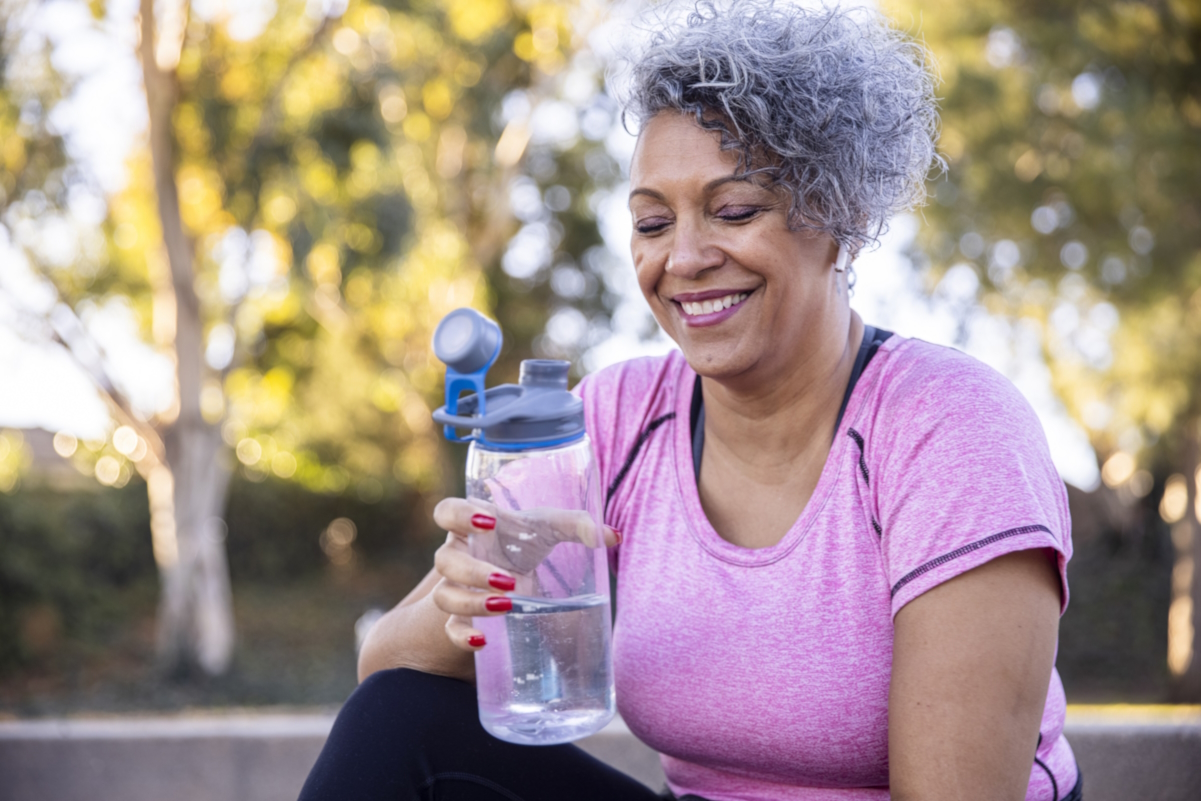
537	412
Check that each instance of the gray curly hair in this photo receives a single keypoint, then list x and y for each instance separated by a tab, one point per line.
835	106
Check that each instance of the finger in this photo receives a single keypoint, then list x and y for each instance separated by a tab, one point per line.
456	600
613	537
465	517
460	567
552	525
463	635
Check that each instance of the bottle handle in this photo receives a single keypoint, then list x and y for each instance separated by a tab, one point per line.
457	383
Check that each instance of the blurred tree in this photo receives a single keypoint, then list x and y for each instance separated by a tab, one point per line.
1073	134
319	185
32	155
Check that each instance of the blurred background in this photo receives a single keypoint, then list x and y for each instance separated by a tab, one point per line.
227	230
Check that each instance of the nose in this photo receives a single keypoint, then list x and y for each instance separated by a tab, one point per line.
692	250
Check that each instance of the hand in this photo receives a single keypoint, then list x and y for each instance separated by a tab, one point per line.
475	587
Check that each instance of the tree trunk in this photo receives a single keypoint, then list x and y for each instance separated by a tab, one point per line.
195	624
1183	661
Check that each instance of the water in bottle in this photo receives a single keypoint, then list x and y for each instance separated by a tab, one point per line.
545	678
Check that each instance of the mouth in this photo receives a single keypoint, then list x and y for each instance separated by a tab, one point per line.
698	310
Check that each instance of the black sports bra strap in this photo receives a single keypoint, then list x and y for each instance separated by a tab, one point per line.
697	421
867	349
872	339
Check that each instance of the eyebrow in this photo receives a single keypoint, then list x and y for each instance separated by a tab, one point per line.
709	187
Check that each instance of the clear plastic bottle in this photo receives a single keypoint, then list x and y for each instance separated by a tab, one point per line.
546	673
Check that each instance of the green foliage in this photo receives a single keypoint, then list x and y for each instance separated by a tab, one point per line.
32	155
74	562
1113	638
275	530
338	180
66	559
1073	134
361	147
574	278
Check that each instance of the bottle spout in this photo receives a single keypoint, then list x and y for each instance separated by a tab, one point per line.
547	373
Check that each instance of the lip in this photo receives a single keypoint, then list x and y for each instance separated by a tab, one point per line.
713	318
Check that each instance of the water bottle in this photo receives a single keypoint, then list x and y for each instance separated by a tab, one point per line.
546	673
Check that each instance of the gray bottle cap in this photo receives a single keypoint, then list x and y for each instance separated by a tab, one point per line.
466	341
538	412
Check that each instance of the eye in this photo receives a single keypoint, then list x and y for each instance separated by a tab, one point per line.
738	213
651	225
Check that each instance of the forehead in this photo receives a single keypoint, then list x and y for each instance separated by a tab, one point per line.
672	147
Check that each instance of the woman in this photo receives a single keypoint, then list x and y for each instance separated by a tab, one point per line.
844	552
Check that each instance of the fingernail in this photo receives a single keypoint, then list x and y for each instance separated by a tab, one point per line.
486	522
499	581
619	535
498	604
477	641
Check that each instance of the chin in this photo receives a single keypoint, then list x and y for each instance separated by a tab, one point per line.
716	363
711	359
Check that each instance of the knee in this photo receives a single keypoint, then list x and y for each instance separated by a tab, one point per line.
380	744
403	704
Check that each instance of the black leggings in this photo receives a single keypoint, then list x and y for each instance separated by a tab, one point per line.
410	736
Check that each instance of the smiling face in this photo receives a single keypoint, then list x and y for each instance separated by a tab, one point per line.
737	289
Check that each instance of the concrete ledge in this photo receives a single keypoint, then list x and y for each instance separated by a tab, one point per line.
1126	752
1143	752
234	758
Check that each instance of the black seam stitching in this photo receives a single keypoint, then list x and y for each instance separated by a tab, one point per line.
876	526
469	777
629	462
1051	776
1041	764
855	435
938	561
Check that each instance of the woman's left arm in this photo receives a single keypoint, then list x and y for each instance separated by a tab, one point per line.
972	661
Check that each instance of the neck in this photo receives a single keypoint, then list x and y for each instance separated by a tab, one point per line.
784	417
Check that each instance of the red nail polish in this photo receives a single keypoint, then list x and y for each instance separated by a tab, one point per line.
499	581
486	522
619	535
498	604
476	641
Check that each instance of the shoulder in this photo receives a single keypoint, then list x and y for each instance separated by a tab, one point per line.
925	385
634	389
960	468
947	424
623	400
625	404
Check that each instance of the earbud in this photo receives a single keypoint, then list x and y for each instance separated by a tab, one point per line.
840	262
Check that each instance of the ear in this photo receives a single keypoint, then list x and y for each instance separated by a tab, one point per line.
840	263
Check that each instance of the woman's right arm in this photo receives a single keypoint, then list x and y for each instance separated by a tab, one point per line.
413	635
430	630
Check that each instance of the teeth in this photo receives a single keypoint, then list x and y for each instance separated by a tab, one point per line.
710	306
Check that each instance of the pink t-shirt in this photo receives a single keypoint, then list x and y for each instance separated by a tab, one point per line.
764	673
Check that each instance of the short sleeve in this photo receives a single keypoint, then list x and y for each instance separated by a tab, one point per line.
620	402
963	473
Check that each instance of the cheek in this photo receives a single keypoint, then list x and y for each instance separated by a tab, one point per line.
648	271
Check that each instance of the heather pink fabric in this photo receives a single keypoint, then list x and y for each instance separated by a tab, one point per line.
763	674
